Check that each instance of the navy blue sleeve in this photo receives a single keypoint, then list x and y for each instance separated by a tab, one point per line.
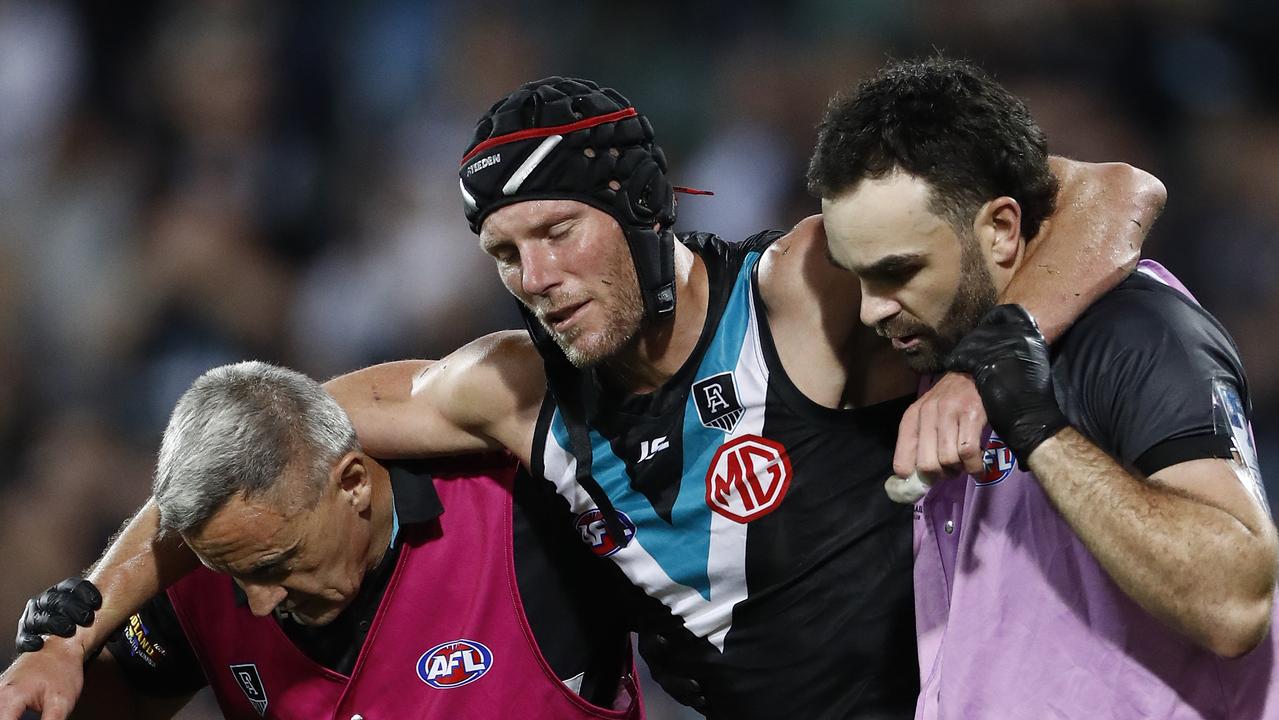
1152	378
154	654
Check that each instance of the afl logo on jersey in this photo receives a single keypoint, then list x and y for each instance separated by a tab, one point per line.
454	664
590	525
748	478
999	461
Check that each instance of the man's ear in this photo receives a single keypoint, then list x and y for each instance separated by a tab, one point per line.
351	474
998	229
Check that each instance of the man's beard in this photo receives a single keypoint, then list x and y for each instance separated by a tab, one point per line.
623	317
976	296
606	344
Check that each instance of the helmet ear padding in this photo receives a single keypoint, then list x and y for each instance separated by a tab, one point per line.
603	155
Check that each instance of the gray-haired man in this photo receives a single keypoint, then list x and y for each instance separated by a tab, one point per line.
261	474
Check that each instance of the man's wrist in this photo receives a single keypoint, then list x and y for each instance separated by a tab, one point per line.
1049	448
1030	427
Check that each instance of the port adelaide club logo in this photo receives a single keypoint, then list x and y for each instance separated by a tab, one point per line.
717	403
454	663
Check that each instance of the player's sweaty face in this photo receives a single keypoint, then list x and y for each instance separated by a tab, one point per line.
923	286
570	265
308	562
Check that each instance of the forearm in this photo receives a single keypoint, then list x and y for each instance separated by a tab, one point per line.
138	565
1094	238
1190	564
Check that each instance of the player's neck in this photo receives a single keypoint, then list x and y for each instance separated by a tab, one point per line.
661	349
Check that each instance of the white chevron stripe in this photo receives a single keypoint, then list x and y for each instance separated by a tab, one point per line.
527	167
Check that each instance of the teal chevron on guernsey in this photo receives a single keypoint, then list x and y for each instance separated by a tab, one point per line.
694	564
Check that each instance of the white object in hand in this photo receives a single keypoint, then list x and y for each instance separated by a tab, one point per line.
907	490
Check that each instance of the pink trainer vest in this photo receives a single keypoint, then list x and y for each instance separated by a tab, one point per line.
450	639
1018	621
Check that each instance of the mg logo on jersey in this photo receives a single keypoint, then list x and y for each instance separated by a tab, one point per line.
999	461
590	525
716	401
454	664
246	676
748	478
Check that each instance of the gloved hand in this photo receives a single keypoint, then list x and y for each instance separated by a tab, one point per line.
659	655
57	611
1008	359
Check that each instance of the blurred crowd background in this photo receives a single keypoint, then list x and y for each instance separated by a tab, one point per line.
184	184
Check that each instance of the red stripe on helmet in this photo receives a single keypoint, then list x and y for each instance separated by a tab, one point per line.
690	191
546	132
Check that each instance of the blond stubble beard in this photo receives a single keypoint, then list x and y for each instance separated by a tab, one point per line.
622	324
623	316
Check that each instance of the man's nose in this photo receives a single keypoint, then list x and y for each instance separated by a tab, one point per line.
539	270
877	308
264	598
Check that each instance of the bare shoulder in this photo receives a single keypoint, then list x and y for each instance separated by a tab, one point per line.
812	312
800	285
488	381
791	264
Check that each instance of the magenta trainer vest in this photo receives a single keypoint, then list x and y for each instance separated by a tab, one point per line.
449	640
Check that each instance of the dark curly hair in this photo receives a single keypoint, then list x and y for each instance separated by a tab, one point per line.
945	121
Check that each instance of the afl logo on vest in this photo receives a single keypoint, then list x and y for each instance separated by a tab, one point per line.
748	478
999	461
590	525
454	664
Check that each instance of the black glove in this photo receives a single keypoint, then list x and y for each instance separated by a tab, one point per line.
1008	359
57	611
659	655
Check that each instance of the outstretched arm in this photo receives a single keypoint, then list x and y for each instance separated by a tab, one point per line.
1092	241
482	397
137	565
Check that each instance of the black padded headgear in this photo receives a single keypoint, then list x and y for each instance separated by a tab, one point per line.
563	138
567	139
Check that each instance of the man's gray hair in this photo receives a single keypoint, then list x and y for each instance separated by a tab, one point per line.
236	431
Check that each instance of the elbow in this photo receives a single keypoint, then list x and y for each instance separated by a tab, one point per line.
1246	627
1147	192
1139	199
